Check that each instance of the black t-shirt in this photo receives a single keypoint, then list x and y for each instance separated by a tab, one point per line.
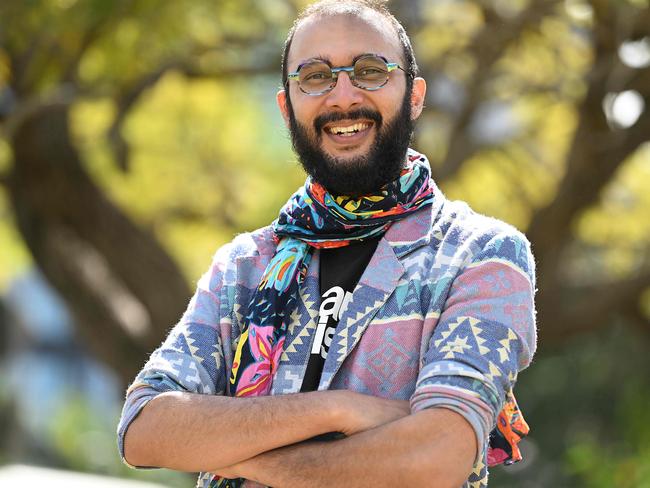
340	271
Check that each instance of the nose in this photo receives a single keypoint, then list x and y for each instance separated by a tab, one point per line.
344	95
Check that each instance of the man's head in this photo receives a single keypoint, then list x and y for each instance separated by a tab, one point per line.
350	139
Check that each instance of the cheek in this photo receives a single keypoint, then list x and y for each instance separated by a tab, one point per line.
305	112
396	97
302	104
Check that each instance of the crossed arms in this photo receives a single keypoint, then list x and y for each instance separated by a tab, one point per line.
261	439
484	335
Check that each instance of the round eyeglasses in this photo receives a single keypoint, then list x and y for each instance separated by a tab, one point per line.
369	72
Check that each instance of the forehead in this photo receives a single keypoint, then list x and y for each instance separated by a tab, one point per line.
341	37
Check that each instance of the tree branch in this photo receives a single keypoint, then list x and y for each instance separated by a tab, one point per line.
62	95
596	150
20	63
188	67
102	262
94	31
487	47
570	311
639	320
125	102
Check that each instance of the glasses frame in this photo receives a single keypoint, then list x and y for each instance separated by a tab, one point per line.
348	69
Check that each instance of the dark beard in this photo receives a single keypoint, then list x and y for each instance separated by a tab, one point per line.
361	175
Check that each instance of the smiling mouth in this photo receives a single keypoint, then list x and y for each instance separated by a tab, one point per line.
346	129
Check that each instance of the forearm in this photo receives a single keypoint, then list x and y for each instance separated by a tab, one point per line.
434	447
190	432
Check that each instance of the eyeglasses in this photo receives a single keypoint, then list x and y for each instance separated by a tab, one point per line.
369	72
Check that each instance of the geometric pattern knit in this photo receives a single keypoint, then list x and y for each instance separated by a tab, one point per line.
442	316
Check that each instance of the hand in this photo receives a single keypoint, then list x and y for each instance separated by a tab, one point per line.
364	412
230	472
245	469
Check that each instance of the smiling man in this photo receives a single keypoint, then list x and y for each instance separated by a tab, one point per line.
372	335
353	139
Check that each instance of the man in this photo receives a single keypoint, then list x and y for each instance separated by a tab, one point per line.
410	315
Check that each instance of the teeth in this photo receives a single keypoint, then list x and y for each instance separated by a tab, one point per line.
349	129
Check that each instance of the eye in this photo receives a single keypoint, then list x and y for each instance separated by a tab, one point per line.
317	76
370	71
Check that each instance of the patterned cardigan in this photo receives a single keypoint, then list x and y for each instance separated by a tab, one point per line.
443	315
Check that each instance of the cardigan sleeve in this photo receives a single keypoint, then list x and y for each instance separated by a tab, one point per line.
485	335
191	358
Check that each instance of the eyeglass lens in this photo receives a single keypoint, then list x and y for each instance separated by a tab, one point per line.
370	72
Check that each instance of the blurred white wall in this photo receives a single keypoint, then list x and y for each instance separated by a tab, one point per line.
20	475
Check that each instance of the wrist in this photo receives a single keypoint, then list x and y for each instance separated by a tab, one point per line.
338	411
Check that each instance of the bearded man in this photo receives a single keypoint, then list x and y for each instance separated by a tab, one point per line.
372	335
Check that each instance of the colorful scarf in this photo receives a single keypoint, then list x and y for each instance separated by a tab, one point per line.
313	219
511	428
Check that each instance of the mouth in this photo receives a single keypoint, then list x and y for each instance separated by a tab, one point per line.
348	132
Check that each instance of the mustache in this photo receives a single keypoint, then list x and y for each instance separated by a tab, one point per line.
363	113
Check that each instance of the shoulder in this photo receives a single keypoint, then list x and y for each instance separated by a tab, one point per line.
228	257
259	242
478	237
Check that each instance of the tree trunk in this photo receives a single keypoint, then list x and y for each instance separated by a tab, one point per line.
123	289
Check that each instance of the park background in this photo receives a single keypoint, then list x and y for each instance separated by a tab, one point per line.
136	136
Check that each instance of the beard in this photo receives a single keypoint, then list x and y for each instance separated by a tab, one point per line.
360	175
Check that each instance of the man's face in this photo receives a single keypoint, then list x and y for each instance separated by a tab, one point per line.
362	161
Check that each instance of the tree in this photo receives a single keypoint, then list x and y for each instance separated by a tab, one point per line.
120	283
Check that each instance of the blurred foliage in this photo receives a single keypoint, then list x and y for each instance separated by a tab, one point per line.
199	151
587	405
209	157
85	441
620	226
14	257
5	409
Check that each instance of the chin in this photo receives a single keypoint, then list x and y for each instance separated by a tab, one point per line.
347	152
361	167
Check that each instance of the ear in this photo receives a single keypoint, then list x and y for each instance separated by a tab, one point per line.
281	98
417	97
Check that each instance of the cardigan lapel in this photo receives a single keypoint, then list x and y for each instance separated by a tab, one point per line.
377	284
302	325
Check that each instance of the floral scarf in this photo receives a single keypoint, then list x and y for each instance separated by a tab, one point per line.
316	219
311	219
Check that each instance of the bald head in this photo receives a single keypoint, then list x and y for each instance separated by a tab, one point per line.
372	12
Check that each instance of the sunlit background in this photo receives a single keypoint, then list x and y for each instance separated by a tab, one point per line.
138	136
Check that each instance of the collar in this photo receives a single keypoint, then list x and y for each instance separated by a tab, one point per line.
414	231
